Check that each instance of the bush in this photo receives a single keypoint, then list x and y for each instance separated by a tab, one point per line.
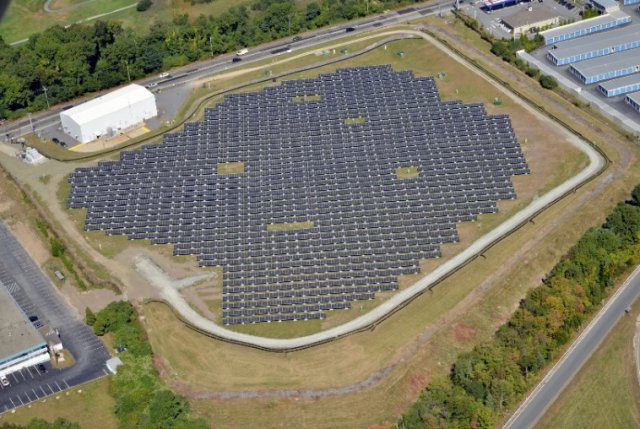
532	72
548	82
143	5
57	247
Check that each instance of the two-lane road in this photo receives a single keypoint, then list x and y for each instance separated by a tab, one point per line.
548	390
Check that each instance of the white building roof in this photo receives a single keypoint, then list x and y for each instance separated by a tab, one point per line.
621	82
634	96
17	333
608	63
113	364
601	20
108	103
594	42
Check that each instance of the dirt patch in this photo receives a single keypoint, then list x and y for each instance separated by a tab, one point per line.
31	242
463	332
96	299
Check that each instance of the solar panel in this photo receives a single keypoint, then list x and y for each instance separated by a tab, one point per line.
311	194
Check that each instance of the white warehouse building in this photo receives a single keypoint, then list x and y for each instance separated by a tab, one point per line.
109	114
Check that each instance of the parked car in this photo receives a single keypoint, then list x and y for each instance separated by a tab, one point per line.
42	368
33	318
4	380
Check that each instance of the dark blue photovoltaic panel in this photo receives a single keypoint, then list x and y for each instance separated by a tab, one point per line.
303	162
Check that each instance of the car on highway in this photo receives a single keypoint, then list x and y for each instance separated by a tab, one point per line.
242	51
349	29
297	38
4	381
236	59
152	84
164	75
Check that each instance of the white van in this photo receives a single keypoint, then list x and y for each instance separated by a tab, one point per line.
242	51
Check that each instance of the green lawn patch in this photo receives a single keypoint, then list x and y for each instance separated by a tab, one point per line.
236	167
289	226
304	98
410	172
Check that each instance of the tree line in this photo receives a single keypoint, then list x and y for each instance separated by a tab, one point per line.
143	401
60	63
494	375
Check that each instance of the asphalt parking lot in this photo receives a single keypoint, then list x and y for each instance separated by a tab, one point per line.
37	296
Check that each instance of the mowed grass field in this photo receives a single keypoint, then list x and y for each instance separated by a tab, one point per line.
605	393
90	405
25	17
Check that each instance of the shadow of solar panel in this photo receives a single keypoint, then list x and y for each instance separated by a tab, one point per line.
348	225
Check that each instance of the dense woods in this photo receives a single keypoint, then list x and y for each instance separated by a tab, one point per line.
63	63
494	375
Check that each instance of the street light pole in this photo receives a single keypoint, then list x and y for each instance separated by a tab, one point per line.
211	45
46	97
126	62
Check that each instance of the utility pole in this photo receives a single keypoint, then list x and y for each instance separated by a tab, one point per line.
33	129
211	45
289	18
126	62
46	97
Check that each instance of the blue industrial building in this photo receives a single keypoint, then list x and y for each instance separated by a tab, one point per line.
593	46
607	67
633	100
587	26
499	4
622	85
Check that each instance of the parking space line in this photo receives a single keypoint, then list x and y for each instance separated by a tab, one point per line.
34	392
66	384
25	378
43	392
20	399
30	373
13	374
12	403
59	388
49	386
28	398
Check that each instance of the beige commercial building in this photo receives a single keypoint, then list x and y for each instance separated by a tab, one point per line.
525	19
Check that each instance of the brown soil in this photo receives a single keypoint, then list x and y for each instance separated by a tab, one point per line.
463	332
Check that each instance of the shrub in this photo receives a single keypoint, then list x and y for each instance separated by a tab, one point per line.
548	82
143	5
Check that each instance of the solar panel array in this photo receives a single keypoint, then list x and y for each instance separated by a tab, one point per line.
304	163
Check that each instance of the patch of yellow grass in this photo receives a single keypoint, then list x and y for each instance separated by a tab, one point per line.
290	226
407	172
236	167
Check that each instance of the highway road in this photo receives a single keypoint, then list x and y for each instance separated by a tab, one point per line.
195	71
548	390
